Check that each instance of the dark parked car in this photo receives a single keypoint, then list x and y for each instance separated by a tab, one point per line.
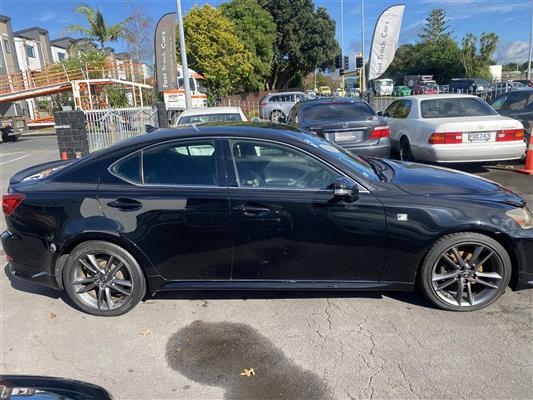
517	104
525	82
351	123
469	85
258	207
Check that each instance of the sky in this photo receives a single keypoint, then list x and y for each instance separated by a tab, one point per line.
510	19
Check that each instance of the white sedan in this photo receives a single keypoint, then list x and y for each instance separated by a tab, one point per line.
200	115
452	128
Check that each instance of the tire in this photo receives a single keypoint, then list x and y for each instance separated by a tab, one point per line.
276	115
443	290
110	288
405	150
7	138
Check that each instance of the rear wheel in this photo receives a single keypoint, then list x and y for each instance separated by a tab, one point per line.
405	150
103	279
465	272
276	115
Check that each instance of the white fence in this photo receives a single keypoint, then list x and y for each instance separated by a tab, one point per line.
106	127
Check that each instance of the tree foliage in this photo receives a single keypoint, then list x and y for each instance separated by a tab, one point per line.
257	31
305	40
476	60
215	51
98	30
436	28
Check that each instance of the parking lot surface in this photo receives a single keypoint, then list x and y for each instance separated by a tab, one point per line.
308	345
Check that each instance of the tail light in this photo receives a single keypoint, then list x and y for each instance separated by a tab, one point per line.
507	135
380	132
446	138
10	202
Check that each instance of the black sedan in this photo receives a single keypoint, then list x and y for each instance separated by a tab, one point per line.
517	104
258	207
350	122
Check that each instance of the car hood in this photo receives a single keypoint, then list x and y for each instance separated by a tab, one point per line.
427	180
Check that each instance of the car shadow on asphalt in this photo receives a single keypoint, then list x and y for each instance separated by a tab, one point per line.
412	298
28	287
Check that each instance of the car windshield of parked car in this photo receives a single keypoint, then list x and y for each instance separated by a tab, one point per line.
455	107
338	111
430	85
202	119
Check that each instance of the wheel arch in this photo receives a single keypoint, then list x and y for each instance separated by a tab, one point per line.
144	262
501	237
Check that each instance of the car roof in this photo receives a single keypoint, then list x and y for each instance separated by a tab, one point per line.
420	97
329	100
210	110
282	93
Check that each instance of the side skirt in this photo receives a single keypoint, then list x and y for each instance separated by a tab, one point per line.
281	285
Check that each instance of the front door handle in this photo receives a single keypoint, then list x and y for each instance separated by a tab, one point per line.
252	211
125	204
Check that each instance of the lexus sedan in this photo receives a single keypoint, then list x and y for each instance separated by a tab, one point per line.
452	128
350	122
257	206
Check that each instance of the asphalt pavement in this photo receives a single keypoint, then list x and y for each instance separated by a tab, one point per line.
300	345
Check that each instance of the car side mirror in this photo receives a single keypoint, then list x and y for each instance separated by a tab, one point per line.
149	128
380	113
345	189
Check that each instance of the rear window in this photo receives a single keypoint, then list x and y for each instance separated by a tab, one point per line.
455	107
337	111
201	119
462	84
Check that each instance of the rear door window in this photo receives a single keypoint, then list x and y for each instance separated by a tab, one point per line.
129	168
181	163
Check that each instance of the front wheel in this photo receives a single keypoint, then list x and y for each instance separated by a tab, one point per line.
103	279
276	116
465	272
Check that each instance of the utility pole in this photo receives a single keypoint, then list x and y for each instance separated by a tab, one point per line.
184	67
530	44
342	46
363	88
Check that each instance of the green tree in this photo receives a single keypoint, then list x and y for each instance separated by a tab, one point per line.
215	51
257	31
305	40
476	61
98	30
436	28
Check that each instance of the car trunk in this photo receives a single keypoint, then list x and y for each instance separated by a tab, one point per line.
349	132
475	129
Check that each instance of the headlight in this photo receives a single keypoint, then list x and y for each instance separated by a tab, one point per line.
522	216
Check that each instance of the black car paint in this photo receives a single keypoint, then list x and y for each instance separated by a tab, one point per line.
524	115
186	237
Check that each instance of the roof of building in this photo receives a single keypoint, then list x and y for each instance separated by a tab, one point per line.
26	33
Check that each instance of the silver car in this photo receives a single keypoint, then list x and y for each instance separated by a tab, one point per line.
276	106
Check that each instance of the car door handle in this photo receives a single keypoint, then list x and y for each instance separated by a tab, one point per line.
125	204
252	211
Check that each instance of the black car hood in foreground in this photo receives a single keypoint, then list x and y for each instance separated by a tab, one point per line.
427	180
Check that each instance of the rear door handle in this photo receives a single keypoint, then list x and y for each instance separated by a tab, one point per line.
125	204
252	211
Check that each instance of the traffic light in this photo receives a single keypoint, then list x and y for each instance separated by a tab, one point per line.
338	62
346	63
359	62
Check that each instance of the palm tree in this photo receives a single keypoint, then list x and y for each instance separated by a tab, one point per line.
98	30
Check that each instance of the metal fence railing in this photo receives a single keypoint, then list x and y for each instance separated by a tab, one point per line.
106	127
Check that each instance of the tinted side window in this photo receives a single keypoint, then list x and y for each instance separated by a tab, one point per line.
129	168
516	102
181	163
274	99
262	164
403	109
391	109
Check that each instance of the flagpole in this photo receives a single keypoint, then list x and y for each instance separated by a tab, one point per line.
363	88
530	44
184	66
342	45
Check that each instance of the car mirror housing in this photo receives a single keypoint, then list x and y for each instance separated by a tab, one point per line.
380	113
345	189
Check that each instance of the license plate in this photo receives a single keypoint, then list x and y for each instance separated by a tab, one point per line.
479	136
348	136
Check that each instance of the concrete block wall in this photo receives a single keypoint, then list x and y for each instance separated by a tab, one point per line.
71	134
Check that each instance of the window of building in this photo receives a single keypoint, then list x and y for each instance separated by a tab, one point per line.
30	51
61	56
7	46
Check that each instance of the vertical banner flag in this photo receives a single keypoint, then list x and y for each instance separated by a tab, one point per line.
165	53
385	40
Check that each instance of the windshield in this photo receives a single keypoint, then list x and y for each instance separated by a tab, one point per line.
202	119
357	163
191	84
338	111
455	107
384	83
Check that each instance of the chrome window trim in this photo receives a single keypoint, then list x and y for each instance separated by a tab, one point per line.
361	187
